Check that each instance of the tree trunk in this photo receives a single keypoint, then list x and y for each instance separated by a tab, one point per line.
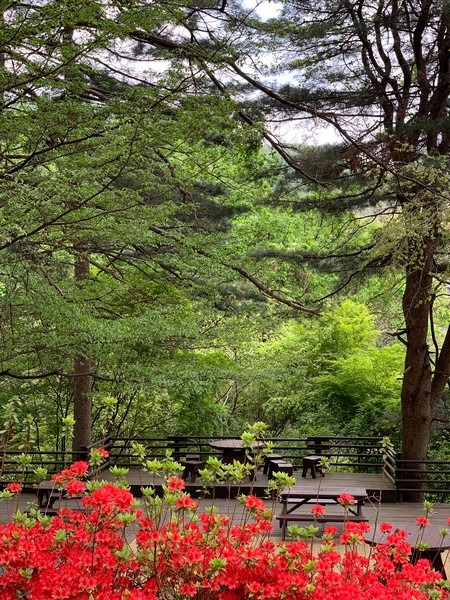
83	381
421	389
82	404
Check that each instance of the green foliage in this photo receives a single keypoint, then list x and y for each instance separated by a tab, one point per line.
141	172
329	375
361	391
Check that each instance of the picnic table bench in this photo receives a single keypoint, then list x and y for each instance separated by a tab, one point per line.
299	496
48	493
431	547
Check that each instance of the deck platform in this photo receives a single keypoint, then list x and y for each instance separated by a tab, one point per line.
377	486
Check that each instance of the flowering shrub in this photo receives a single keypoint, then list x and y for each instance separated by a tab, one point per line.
180	554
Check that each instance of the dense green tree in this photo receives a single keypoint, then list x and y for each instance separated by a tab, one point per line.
110	176
109	123
332	375
376	75
391	109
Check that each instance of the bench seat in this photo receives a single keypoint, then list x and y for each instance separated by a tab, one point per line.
313	501
311	519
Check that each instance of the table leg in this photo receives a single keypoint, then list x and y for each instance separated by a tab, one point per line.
42	498
229	455
283	521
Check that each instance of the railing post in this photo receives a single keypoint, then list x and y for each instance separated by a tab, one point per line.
176	443
315	444
399	475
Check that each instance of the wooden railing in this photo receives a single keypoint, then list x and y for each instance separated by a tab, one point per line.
345	453
351	454
356	454
435	478
22	465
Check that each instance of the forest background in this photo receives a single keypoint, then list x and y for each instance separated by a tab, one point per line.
169	265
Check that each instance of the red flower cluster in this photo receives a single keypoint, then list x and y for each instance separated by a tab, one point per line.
253	503
85	556
14	488
75	471
317	510
175	483
346	500
102	452
109	499
74	487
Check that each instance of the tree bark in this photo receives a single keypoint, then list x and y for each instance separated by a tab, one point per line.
82	404
416	398
423	384
83	381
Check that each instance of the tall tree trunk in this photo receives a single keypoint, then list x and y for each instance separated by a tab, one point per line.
83	381
82	403
421	389
416	399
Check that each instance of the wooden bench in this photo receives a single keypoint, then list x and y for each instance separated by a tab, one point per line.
299	497
280	466
312	519
312	463
192	466
48	493
267	459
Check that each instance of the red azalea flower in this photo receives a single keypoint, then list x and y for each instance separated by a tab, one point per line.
109	498
318	510
346	499
358	528
188	588
254	503
396	537
75	487
385	527
185	501
422	521
14	488
74	556
79	469
175	483
330	530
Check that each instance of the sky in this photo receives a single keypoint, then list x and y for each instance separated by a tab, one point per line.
291	132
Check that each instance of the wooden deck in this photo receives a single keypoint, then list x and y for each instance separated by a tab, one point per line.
376	485
375	511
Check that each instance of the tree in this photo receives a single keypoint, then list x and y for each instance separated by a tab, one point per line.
375	74
332	375
101	180
378	74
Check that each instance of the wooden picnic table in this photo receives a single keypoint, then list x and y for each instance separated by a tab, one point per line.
300	496
47	493
430	536
233	449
